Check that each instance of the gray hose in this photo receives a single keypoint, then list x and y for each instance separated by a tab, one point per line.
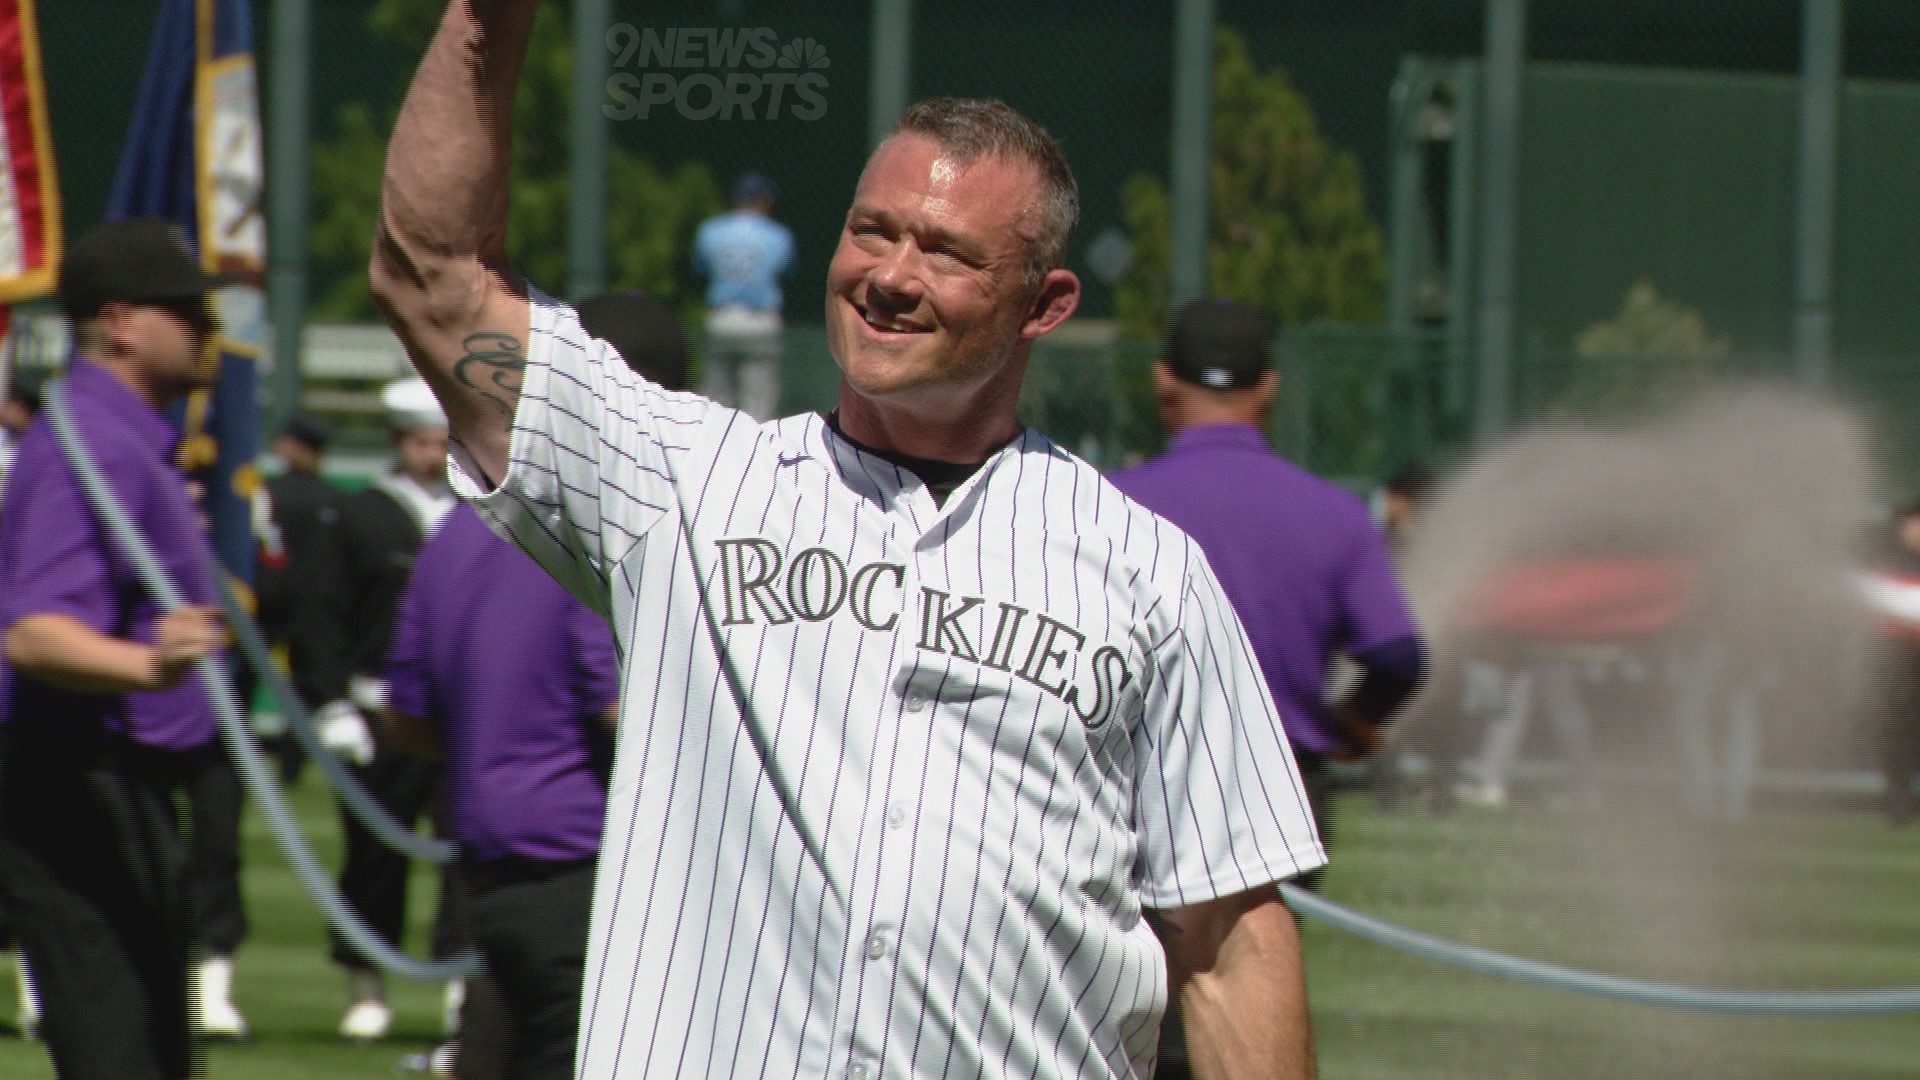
247	757
1555	977
360	803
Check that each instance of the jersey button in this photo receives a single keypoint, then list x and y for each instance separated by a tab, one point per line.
877	946
897	816
915	703
860	1071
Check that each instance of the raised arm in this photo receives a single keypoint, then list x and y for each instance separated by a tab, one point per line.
439	273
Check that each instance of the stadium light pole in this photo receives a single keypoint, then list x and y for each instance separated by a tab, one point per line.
287	162
1506	58
890	67
587	176
1192	146
1821	44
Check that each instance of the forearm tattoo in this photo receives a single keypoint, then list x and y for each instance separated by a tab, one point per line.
493	365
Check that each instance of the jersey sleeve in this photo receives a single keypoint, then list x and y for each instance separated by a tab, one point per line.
587	471
1220	806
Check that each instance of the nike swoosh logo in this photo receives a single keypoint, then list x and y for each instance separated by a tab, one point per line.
795	459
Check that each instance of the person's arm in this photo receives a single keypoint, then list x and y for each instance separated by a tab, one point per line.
62	651
1380	637
439	272
1233	965
1390	673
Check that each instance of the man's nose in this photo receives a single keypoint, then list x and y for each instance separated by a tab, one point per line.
899	271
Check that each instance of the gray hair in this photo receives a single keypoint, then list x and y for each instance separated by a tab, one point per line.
972	128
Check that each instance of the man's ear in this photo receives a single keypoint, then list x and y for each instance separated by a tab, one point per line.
1266	388
1054	303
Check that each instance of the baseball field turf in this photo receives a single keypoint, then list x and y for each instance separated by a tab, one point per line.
1795	898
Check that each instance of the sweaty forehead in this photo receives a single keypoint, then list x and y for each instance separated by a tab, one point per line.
912	177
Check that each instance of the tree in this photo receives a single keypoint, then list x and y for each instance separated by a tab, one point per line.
650	221
1288	227
1287	230
1652	349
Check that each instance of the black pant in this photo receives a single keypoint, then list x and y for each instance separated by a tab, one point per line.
95	870
530	926
1318	779
215	801
374	879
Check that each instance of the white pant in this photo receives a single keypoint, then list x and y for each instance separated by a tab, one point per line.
742	363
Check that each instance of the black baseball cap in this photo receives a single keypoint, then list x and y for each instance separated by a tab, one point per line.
754	185
1220	344
307	428
138	260
646	331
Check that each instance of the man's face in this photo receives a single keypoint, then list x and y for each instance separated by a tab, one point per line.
925	294
423	454
171	340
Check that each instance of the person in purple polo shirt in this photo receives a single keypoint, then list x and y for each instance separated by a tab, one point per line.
1300	559
512	682
102	717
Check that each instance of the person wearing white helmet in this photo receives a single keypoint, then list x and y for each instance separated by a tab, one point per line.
362	567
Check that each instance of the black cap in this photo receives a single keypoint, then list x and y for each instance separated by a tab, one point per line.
309	429
645	331
1219	344
750	186
133	261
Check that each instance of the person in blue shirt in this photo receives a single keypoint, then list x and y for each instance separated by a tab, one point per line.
744	254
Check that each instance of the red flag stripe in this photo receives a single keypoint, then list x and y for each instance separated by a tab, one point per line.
29	154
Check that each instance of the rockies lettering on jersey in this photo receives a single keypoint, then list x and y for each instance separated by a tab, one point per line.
816	587
896	781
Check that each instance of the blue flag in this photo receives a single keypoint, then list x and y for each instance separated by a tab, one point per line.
193	156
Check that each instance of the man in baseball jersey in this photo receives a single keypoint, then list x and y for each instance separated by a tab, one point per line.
744	254
1300	559
920	716
104	722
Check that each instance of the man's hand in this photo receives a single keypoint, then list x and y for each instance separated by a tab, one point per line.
344	732
1359	737
183	637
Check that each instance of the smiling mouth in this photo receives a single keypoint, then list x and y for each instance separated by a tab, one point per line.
885	324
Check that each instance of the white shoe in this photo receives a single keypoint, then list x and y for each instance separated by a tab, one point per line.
451	1002
219	1019
1480	793
366	1021
27	1019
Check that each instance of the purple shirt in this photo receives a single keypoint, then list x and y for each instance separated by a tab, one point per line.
1299	558
516	673
57	559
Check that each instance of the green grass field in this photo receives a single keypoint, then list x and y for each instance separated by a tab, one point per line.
1798	899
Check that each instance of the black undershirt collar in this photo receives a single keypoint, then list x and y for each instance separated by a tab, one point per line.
941	478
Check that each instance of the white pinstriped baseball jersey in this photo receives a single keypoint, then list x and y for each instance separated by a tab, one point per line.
894	781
